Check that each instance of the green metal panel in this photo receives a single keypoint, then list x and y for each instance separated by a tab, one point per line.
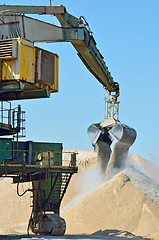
5	149
17	95
12	86
56	147
45	185
21	149
39	147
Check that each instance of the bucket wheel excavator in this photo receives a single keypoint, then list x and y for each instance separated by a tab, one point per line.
28	72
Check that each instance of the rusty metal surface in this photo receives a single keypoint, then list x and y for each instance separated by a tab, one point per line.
17	168
33	9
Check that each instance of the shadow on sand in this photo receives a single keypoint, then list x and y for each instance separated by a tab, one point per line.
109	234
118	234
42	237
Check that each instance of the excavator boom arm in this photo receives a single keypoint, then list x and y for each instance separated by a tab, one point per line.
88	51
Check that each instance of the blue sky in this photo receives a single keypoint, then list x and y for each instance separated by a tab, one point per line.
127	35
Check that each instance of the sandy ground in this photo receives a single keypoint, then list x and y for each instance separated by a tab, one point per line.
109	235
14	211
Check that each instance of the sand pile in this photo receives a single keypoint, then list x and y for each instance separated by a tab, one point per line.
14	211
128	202
143	166
117	205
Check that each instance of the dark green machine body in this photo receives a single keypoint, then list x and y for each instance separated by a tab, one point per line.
35	153
40	163
10	149
6	147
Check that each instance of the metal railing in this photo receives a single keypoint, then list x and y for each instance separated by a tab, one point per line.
41	158
5	113
13	118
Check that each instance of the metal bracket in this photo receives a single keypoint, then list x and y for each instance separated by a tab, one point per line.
111	107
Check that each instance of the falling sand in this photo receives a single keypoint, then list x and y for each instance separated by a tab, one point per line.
128	202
